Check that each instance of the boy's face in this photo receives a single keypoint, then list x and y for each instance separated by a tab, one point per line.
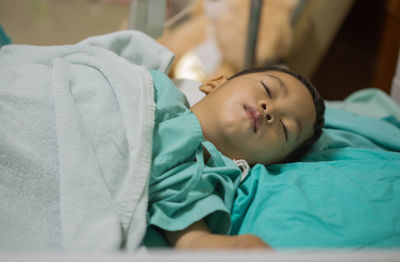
259	117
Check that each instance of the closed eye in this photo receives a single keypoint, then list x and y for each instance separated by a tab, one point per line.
284	130
266	88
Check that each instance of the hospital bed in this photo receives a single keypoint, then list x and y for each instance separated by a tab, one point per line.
336	184
348	182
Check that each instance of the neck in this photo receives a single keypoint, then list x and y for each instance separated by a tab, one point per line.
202	115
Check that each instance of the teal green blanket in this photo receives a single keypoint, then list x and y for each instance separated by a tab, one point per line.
345	193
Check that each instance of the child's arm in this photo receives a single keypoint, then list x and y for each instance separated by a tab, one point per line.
199	236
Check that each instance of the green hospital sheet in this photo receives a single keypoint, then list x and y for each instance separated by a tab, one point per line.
344	194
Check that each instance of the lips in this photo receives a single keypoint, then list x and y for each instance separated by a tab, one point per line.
255	117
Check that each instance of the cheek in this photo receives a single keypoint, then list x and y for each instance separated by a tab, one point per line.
272	142
231	115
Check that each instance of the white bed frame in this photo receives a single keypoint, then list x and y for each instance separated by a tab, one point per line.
215	256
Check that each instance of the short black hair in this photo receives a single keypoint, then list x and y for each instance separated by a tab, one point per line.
319	104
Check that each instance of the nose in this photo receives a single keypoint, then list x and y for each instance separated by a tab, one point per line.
268	112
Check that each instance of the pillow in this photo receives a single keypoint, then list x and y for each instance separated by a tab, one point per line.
190	88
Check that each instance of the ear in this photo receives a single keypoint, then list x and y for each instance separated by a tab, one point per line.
213	84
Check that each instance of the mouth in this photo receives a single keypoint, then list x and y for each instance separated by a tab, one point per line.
254	116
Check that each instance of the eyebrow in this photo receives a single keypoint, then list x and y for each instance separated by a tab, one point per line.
282	84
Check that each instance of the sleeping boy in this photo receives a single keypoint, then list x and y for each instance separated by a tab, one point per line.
77	137
266	115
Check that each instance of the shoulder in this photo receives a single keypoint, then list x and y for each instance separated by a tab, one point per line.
170	101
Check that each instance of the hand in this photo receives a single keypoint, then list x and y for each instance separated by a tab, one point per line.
197	236
213	241
248	242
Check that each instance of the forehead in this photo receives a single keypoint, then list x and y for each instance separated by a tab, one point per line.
278	76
